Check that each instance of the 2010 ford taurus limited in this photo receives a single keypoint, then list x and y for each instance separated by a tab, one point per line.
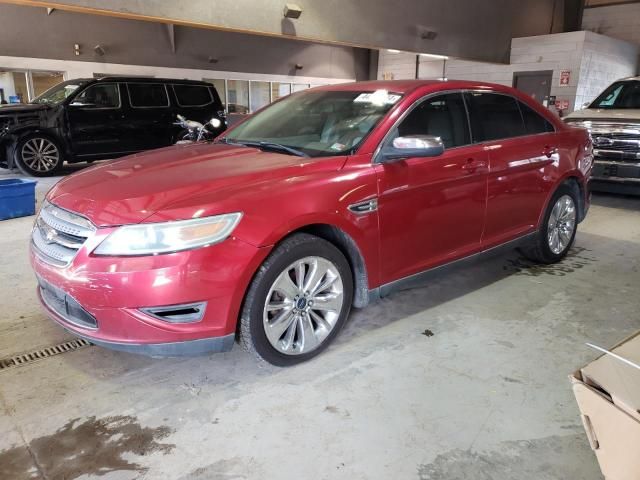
322	201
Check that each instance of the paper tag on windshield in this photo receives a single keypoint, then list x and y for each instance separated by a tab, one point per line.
379	97
338	146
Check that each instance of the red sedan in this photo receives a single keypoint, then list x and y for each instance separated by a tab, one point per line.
319	202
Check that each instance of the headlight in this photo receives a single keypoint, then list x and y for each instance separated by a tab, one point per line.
152	238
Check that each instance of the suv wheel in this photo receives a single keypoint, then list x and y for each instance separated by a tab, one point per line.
558	230
298	301
38	155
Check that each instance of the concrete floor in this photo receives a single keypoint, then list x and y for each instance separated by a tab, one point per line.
486	397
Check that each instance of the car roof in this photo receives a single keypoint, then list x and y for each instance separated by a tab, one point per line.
151	80
408	86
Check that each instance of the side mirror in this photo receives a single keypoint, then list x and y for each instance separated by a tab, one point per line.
412	146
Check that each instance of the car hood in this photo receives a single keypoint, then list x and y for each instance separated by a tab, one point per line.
614	115
21	108
197	180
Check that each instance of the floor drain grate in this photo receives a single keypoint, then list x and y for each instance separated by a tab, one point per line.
41	354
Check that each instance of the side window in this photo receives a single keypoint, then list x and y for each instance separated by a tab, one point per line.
443	116
148	95
534	122
192	95
102	95
494	116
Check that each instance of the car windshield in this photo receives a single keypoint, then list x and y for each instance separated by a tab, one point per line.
619	95
58	93
316	123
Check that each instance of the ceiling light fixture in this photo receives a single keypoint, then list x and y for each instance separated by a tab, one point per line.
392	50
100	51
437	57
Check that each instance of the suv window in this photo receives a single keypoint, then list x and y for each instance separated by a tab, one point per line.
494	116
534	122
192	95
148	95
101	95
442	116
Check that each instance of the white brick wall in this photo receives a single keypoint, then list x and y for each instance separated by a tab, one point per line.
594	61
617	21
604	60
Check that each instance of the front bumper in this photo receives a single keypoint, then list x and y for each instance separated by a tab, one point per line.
113	290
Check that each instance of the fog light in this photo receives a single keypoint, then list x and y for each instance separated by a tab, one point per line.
184	313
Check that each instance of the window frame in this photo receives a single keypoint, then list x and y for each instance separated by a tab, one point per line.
206	87
416	104
463	92
166	92
97	84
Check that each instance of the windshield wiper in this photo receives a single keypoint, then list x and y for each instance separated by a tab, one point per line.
274	147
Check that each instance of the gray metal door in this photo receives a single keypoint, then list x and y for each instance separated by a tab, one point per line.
535	84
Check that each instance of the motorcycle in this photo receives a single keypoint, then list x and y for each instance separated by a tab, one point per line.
196	131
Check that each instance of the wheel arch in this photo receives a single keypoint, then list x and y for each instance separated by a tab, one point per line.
573	181
349	248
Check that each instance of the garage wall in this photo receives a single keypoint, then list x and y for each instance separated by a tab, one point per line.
593	60
134	42
617	21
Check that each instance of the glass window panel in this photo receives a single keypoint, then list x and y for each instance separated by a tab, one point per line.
298	87
260	95
279	90
220	88
192	95
148	95
103	95
43	81
20	92
238	96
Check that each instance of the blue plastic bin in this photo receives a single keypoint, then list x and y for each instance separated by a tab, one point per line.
17	198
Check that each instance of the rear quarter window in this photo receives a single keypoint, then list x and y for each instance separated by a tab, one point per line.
192	95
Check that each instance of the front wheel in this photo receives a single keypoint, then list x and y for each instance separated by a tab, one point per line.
558	230
38	155
298	301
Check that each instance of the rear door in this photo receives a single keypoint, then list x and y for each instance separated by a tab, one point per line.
96	123
150	117
520	144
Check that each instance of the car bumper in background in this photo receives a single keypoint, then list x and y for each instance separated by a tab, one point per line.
616	177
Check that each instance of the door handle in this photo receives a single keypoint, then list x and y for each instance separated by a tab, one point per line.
549	151
473	164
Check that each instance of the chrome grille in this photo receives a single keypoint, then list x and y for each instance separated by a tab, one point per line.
614	141
58	234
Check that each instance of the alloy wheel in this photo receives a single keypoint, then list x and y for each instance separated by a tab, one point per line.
561	225
40	155
303	305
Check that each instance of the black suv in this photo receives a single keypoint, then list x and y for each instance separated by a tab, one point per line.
92	119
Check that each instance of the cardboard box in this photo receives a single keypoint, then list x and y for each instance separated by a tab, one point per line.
608	394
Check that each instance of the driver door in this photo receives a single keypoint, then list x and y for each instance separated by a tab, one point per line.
96	122
432	209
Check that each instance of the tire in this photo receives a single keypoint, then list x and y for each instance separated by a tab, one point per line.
556	235
267	332
38	155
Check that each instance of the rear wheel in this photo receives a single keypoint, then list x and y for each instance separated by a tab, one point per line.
558	230
298	301
38	155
